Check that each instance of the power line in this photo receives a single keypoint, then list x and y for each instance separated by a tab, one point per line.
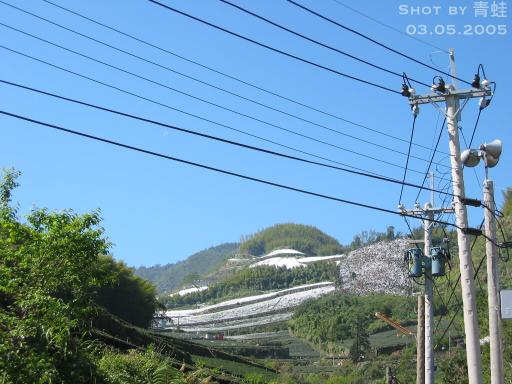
210	168
296	102
389	26
432	158
263	45
475	127
458	309
211	137
190	114
455	287
373	40
320	43
183	75
407	161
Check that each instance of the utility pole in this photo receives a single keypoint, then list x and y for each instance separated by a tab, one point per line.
451	96
429	296
420	342
466	268
493	285
427	366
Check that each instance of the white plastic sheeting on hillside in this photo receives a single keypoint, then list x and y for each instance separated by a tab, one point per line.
186	291
254	310
294	262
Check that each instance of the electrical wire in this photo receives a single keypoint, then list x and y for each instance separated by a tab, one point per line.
210	168
410	229
236	112
252	85
211	137
474	128
456	284
466	144
459	308
389	26
169	69
482	107
431	158
407	161
276	50
319	42
373	40
438	293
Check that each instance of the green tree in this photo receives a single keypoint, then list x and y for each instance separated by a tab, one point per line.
125	295
361	345
192	279
47	280
52	275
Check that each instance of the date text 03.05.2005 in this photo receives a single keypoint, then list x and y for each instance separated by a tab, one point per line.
454	30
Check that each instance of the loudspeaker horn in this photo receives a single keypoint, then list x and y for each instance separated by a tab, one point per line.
470	157
490	161
493	148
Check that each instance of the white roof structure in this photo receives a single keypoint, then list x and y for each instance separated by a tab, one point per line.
282	252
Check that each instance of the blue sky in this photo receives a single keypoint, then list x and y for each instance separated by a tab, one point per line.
157	211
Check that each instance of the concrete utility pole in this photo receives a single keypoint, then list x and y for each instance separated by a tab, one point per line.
466	268
427	366
388	375
420	342
451	96
429	296
493	285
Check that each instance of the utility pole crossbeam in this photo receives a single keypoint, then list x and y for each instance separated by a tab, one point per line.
451	96
437	98
493	286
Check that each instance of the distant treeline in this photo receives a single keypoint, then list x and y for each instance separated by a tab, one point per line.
303	238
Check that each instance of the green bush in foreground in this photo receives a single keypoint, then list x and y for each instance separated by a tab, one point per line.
51	279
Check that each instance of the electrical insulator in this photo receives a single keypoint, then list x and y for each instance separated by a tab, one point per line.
405	90
484	103
476	81
415	110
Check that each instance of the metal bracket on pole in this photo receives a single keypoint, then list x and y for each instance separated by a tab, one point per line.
460	94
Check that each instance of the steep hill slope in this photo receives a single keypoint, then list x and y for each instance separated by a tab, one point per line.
376	268
170	276
211	264
303	238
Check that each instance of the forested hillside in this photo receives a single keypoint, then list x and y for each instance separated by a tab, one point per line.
171	276
303	238
259	279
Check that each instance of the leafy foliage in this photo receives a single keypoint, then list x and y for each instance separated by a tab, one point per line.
170	276
165	374
51	277
370	237
303	238
252	280
48	278
333	318
361	344
127	296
